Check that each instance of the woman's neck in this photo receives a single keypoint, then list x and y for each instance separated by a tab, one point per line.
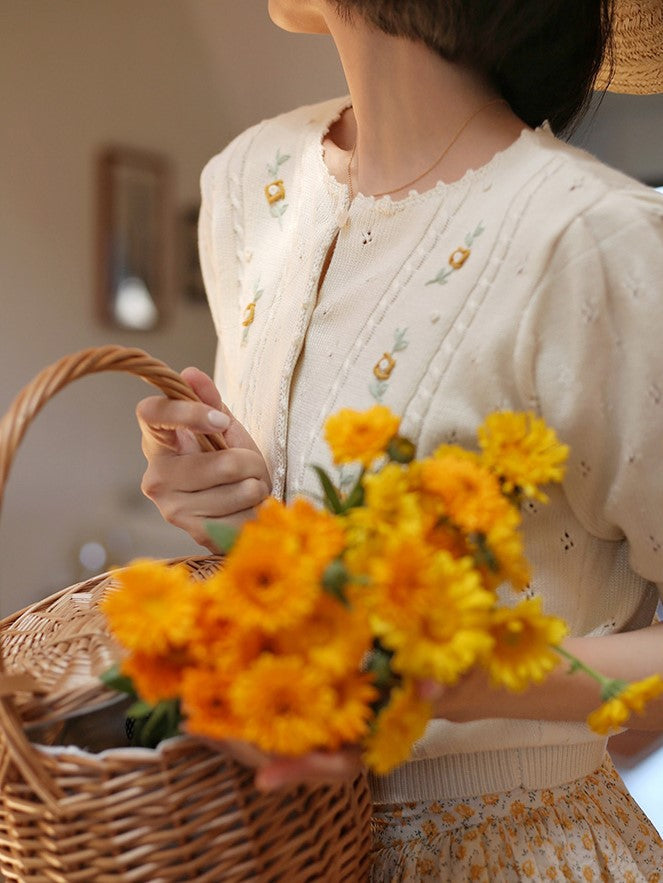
407	105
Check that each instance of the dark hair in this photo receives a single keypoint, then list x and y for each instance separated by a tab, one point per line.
542	55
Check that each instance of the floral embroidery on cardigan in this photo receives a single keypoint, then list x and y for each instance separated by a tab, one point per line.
458	257
250	310
275	189
385	365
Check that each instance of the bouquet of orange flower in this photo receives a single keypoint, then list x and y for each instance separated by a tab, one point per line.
319	626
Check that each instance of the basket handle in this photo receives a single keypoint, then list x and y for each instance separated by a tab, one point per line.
13	427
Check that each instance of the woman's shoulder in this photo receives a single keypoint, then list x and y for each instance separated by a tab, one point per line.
272	142
578	188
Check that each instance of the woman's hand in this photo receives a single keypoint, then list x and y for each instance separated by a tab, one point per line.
190	486
273	772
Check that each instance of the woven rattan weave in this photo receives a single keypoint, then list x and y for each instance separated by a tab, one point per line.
182	812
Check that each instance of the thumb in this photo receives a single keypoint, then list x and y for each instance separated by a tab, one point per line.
204	387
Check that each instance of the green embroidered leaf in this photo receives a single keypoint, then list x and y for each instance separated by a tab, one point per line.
400	342
441	278
222	535
469	239
281	159
331	498
377	389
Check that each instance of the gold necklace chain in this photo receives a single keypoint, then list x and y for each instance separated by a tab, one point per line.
430	168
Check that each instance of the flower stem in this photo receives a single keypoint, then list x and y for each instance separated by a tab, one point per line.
610	687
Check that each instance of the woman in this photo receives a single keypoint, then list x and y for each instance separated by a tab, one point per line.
428	243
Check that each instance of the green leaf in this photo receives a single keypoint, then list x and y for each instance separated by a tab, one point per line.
162	723
335	579
332	499
140	709
356	496
114	679
222	535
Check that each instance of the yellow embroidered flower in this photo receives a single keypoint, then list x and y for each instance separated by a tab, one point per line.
283	705
523	451
275	191
613	713
384	366
360	436
332	637
265	582
156	677
206	704
523	652
470	495
458	257
397	728
443	627
152	609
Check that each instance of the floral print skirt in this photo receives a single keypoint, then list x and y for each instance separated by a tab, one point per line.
588	830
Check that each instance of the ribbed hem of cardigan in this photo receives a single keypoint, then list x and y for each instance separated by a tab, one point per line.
487	772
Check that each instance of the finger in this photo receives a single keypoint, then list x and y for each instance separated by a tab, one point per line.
203	386
190	511
315	768
160	419
199	471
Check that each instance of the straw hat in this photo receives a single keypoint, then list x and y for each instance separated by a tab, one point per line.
637	35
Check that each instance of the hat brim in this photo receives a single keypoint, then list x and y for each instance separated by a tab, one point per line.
637	49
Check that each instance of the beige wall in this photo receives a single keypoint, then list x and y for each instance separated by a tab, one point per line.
179	76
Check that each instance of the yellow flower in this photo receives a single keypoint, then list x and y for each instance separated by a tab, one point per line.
523	451
312	532
156	677
206	704
356	436
523	651
609	716
613	713
332	637
506	545
402	582
266	583
219	640
638	693
391	502
353	711
443	628
283	705
470	495
397	728
152	609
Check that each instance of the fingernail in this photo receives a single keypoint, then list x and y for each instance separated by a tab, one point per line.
218	419
265	783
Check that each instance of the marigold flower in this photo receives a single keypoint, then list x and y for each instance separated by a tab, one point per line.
206	704
360	436
156	677
316	534
332	637
523	451
505	543
470	495
353	709
397	728
613	713
217	638
152	608
283	705
441	635
523	650
609	716
266	584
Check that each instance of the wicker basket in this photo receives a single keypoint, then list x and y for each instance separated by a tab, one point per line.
182	812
